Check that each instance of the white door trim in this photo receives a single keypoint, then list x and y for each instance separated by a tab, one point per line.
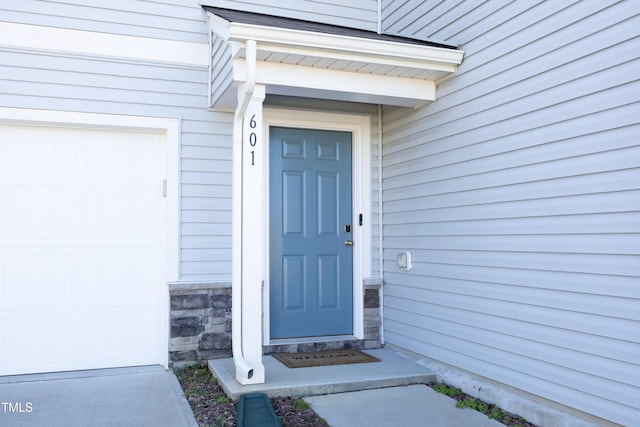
170	128
360	127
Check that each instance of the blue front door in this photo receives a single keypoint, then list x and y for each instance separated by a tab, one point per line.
311	260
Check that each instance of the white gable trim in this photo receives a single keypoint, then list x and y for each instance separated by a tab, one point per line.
79	42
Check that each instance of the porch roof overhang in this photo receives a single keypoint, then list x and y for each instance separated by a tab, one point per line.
312	60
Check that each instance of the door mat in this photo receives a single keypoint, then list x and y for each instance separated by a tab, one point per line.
324	358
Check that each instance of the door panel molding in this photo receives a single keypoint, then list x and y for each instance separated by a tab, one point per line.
360	128
325	280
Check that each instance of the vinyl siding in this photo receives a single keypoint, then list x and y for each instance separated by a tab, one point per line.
221	68
518	192
66	82
171	20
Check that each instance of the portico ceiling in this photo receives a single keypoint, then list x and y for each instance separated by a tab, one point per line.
312	60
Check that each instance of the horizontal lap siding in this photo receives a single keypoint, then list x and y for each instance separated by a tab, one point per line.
178	20
170	20
100	85
221	68
206	202
518	192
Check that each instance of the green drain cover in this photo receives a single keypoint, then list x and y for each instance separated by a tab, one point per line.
255	410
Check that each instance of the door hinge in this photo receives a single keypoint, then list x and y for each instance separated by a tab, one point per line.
164	188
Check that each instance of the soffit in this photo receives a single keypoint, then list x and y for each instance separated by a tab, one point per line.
302	58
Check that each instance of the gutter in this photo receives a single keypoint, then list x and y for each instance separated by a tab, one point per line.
244	371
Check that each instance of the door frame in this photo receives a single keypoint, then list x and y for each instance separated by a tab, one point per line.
360	128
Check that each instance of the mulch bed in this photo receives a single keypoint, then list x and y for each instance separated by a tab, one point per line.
211	407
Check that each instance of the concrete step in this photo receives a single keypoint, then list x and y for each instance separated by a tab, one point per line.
392	370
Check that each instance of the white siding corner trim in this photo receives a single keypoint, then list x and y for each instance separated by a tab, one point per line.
50	39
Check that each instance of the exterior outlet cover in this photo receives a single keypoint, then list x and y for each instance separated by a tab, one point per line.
404	261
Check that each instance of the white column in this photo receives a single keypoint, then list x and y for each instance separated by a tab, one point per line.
254	158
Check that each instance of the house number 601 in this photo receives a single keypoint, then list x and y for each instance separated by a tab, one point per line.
253	139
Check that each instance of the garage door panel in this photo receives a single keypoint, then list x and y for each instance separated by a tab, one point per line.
60	216
71	276
44	277
3	218
137	218
50	219
3	280
121	158
84	339
132	283
39	214
81	249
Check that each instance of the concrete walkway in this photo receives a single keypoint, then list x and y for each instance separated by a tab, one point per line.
126	397
414	405
388	393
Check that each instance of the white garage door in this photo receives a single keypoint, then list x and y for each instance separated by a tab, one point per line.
81	249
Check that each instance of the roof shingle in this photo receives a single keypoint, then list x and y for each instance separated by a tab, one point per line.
297	24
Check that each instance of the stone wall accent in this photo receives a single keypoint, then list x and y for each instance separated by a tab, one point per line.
200	322
372	317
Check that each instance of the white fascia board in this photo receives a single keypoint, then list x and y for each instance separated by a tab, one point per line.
353	46
80	42
346	96
295	76
359	56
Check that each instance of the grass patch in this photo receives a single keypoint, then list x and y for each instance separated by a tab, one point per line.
221	398
302	405
448	390
494	412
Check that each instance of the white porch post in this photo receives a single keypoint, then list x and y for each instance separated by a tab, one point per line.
253	222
